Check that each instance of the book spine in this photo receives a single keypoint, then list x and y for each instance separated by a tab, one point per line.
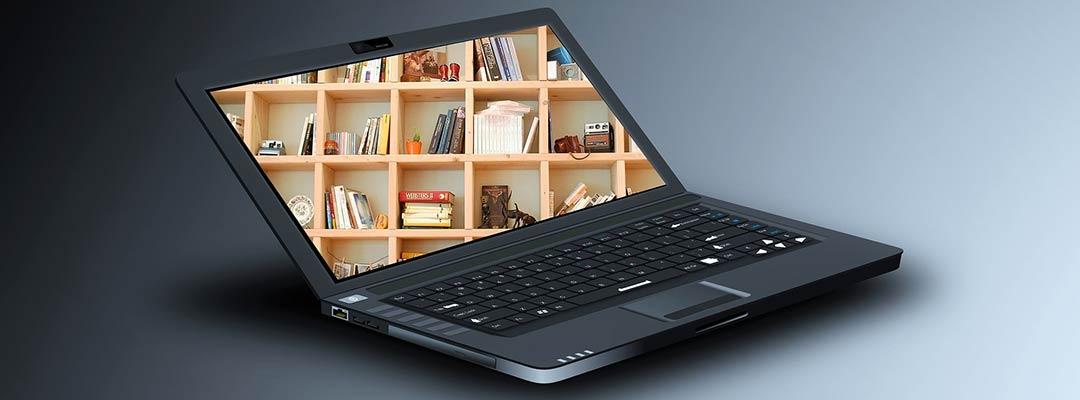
480	61
433	145
354	208
444	136
384	138
490	61
425	196
329	211
457	144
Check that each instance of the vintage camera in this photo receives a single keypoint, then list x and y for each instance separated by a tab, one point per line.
569	72
598	137
272	148
598	127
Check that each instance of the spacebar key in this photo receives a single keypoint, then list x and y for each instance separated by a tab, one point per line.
629	285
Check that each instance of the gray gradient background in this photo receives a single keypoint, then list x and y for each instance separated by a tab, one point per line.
950	129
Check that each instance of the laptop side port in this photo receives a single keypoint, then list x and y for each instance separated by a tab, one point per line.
339	313
370	323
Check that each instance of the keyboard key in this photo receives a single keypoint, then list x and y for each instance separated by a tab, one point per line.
500	325
640	225
573	279
499	279
626	252
770	231
563	294
480	285
638	237
751	225
603	237
492	315
671	249
593	274
402	298
602	282
514	298
660	264
648	245
528	282
660	220
619	243
760	252
731	255
538	267
714	214
520	273
421	292
607	258
567	247
438	287
781	246
468	311
612	268
422	303
622	231
560	261
685	234
541	312
458	281
495	270
494	303
445	307
568	270
542	300
509	265
640	270
440	297
604	293
548	253
561	306
658	231
680	258
579	255
678	214
598	249
621	276
530	259
469	300
686	223
508	288
709	226
722	234
533	292
586	242
553	285
668	239
732	220
476	275
632	262
521	318
548	275
748	248
696	209
588	264
582	288
488	294
652	255
691	267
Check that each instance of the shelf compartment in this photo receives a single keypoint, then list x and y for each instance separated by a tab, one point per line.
362	250
523	182
434	179
642	177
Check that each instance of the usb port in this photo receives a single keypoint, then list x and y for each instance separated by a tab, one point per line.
339	313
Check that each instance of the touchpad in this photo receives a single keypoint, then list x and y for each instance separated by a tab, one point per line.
685	300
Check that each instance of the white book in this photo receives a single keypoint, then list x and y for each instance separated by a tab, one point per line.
532	135
342	208
354	208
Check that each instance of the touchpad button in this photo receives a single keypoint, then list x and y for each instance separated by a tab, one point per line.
685	300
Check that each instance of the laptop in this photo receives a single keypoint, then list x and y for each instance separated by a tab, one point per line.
479	190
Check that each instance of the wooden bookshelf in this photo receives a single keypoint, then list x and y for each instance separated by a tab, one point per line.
276	111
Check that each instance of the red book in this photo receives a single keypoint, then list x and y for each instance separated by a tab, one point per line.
425	196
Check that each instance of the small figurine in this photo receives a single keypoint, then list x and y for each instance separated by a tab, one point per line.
444	73
455	72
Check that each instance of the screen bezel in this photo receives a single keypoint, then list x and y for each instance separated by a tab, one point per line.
197	87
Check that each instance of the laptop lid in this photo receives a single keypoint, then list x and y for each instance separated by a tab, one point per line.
392	155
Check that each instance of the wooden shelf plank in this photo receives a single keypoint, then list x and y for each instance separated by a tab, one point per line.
344	234
452	161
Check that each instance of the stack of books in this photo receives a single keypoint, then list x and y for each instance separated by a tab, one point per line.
307	77
579	198
497	60
370	71
499	128
449	134
307	136
375	139
347	209
237	123
426	208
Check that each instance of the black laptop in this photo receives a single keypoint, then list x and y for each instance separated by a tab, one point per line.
479	190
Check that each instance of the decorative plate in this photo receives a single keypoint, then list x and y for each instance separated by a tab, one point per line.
302	209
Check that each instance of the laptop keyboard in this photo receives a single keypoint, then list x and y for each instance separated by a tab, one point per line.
587	270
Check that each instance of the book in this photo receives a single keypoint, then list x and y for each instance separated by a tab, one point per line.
427	223
329	210
425	196
384	138
405	255
490	60
307	136
532	135
433	144
500	58
444	136
499	128
343	219
572	199
353	200
457	139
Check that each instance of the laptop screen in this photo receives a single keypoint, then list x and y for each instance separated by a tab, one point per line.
384	160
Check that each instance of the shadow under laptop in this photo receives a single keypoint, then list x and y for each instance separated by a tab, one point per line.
279	306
